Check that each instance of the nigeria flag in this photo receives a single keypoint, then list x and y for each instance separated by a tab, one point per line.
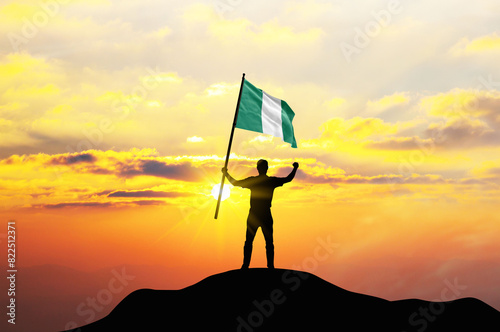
263	113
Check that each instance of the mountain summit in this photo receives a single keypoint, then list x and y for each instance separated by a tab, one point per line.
286	300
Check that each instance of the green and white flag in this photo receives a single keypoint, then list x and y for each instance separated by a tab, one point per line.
263	113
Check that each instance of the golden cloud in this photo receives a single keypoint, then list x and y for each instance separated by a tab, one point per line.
400	143
469	118
386	102
483	44
356	128
351	135
94	179
456	103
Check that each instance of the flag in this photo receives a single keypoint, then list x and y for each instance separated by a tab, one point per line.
263	113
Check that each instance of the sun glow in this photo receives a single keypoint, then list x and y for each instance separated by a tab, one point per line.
226	191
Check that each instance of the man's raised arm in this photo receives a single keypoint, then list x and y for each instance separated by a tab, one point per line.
233	181
292	173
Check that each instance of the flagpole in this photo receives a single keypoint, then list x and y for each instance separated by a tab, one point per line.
229	146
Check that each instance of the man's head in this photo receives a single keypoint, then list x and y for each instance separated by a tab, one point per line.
262	166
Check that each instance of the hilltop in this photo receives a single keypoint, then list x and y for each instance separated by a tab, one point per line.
286	300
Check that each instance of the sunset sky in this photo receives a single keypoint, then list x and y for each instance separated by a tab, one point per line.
115	118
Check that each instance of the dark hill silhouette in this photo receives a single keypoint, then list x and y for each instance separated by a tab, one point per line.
286	300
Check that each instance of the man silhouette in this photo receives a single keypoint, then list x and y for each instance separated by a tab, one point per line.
262	189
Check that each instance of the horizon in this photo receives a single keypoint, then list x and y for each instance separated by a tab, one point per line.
115	119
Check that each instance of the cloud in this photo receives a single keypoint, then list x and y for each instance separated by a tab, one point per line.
393	179
456	103
73	159
387	102
258	42
469	118
479	45
353	135
322	175
161	33
463	133
100	204
59	91
311	176
147	193
494	171
195	139
488	107
356	128
400	143
242	31
64	98
184	171
35	180
487	169
222	88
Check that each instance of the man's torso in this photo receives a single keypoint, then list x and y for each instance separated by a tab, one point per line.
262	189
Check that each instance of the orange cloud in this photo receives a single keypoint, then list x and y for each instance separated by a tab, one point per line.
147	193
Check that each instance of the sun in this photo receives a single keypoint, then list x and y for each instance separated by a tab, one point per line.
226	191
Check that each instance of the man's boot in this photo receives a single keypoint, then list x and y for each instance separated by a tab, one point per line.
247	254
270	256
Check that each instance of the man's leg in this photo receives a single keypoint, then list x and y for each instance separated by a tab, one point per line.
267	230
250	235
